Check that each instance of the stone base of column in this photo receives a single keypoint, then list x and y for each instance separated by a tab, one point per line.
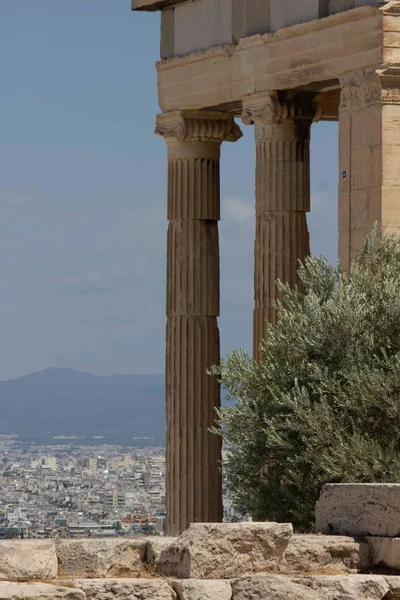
193	453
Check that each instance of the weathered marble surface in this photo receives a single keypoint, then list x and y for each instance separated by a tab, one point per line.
101	558
38	591
224	550
129	589
280	587
27	559
359	509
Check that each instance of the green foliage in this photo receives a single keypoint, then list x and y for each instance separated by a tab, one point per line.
324	403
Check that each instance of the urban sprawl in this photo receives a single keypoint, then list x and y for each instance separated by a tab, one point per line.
81	491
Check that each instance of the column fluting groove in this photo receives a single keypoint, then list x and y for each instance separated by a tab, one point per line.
193	486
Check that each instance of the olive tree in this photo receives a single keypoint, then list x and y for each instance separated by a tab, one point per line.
323	404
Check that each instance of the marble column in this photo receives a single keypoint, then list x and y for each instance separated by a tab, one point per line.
193	486
282	132
369	156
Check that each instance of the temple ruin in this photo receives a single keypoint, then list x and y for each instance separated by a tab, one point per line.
280	66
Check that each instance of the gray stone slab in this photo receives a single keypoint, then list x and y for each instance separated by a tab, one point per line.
250	17
368	2
323	8
203	24
359	509
167	45
336	6
285	13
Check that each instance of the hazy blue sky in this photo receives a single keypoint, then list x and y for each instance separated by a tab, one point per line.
82	194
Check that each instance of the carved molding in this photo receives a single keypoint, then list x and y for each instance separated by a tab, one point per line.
275	108
391	8
370	86
198	126
261	108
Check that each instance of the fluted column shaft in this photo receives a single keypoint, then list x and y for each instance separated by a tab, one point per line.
282	199
193	486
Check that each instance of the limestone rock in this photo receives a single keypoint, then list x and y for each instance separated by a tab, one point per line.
155	546
281	587
385	552
22	560
394	585
131	589
325	554
225	550
202	589
101	558
38	591
359	509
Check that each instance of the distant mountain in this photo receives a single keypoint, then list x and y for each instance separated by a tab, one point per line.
63	402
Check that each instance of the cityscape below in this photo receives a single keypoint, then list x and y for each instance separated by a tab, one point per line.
83	456
72	490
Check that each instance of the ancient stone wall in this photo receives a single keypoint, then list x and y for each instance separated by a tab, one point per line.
238	561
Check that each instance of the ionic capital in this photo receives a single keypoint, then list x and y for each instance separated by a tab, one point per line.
262	109
274	108
370	86
198	126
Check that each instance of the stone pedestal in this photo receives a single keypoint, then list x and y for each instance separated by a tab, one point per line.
369	155
282	131
193	453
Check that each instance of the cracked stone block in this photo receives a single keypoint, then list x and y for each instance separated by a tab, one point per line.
225	550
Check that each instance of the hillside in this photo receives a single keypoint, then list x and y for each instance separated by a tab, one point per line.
63	402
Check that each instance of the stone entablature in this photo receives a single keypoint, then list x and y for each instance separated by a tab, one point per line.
301	55
189	26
